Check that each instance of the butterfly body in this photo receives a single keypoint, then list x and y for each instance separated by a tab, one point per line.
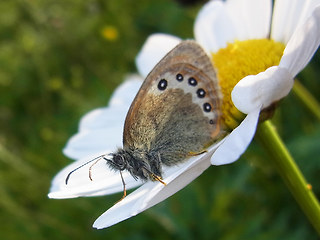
176	114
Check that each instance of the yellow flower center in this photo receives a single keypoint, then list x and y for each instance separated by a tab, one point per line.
238	60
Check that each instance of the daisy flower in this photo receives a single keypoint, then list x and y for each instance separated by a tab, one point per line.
257	50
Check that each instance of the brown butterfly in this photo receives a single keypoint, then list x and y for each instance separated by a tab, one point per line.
175	115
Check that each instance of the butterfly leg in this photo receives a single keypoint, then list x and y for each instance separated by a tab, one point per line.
154	167
153	176
124	189
192	154
157	178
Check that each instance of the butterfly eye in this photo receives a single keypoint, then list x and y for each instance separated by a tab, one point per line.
119	162
192	81
207	107
162	85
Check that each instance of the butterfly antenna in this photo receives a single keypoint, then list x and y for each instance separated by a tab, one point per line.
95	159
90	175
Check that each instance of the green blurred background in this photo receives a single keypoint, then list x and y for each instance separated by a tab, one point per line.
58	60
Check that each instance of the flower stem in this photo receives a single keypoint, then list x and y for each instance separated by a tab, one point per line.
290	172
306	98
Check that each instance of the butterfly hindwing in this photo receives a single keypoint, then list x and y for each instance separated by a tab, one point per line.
177	110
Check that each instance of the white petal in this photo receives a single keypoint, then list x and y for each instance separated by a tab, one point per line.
103	118
119	104
255	91
95	142
251	18
153	50
310	6
237	141
288	15
101	130
213	28
104	180
219	23
302	45
125	93
285	19
152	193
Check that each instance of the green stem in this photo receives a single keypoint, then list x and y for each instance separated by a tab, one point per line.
289	171
306	98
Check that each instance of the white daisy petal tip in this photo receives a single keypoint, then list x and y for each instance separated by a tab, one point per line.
261	90
151	193
153	50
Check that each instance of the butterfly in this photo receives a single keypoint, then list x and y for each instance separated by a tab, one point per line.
176	114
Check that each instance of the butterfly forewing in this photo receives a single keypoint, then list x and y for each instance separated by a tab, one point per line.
177	110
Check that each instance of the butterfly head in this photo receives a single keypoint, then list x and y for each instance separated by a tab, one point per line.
135	162
123	160
118	161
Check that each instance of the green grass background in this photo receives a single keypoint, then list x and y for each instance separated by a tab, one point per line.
55	66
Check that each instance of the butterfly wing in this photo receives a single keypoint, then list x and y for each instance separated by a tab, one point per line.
177	111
